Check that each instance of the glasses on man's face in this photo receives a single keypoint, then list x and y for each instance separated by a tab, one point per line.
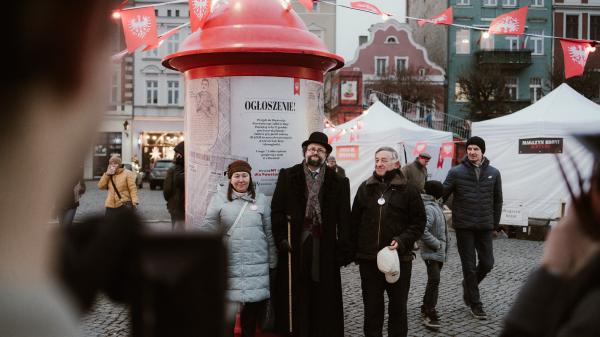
316	149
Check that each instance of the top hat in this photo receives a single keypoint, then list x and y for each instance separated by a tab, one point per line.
318	138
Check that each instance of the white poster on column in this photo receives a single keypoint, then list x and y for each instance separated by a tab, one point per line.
270	118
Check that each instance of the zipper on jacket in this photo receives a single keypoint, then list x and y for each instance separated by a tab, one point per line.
379	226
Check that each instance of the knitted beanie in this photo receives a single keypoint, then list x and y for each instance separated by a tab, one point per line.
434	188
238	166
477	141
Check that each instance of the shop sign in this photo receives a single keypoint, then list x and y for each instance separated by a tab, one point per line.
540	145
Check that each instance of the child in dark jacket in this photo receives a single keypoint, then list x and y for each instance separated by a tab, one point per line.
434	248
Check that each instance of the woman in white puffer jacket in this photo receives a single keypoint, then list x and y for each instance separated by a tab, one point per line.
244	217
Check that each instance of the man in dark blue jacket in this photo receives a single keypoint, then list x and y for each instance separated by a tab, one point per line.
476	209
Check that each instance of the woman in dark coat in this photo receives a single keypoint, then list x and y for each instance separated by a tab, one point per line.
317	306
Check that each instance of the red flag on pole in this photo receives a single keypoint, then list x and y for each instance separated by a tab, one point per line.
444	18
419	148
446	151
139	26
575	56
511	23
366	7
308	4
163	37
199	12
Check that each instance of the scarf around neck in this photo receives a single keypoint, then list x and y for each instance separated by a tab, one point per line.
312	216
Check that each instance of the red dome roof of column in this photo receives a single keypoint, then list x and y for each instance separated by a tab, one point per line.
253	32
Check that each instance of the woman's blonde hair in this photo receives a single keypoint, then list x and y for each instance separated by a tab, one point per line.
115	159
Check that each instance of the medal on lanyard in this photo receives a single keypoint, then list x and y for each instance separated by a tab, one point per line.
253	207
381	200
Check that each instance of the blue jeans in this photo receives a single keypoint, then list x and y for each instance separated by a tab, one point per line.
468	243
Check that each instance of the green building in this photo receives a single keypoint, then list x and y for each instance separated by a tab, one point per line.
524	61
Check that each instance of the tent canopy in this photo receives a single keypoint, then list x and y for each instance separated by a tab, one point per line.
531	182
380	126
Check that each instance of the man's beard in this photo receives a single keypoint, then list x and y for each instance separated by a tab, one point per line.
314	162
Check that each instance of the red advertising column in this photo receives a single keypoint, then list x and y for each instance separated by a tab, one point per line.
253	91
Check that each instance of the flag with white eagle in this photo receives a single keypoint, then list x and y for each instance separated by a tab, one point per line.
511	23
199	12
139	27
575	54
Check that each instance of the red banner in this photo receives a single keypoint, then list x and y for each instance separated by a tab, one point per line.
308	4
444	18
446	151
162	38
575	56
199	12
511	23
139	27
420	147
366	7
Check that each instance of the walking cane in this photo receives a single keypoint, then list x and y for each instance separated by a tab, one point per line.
290	272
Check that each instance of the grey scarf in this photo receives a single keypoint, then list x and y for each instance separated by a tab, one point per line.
312	216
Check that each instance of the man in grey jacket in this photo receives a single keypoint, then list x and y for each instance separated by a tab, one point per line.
476	209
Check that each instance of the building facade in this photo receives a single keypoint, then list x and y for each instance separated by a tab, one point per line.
433	37
390	52
524	61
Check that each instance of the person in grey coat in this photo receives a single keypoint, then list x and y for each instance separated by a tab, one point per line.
434	248
244	217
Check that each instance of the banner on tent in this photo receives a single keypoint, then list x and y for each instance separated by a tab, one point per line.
513	214
540	145
346	152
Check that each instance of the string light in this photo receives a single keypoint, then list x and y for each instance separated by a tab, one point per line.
485	35
116	15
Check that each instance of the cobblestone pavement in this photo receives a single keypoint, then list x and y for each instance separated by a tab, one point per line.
514	259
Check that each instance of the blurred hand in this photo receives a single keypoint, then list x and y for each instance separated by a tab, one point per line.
567	249
393	244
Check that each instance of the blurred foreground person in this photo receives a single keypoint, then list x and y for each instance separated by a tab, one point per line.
174	189
244	216
562	297
51	106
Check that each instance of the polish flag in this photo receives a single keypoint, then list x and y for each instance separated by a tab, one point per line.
419	148
365	6
575	54
445	18
446	151
139	26
511	23
199	12
308	4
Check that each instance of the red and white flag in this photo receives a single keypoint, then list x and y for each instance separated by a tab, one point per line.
139	26
444	18
446	151
366	7
162	38
308	4
199	12
511	23
575	56
420	147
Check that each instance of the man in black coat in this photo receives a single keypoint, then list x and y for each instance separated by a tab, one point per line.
174	189
387	212
316	202
476	209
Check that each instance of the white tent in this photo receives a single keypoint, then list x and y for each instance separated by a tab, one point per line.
380	126
531	182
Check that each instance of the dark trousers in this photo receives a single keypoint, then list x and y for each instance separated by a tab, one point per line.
373	285
433	283
308	290
470	242
249	317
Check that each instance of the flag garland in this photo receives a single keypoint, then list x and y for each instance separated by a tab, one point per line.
139	27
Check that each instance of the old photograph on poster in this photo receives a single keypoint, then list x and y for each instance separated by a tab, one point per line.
203	116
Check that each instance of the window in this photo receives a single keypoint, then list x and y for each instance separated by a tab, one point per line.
315	6
177	12
391	39
459	94
114	87
572	26
535	89
537	3
381	67
489	3
152	92
152	52
463	2
538	45
156	12
487	43
512	42
594	27
512	88
362	39
168	12
422	72
509	3
401	64
463	41
173	43
173	92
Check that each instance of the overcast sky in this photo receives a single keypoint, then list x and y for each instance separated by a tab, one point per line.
351	23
